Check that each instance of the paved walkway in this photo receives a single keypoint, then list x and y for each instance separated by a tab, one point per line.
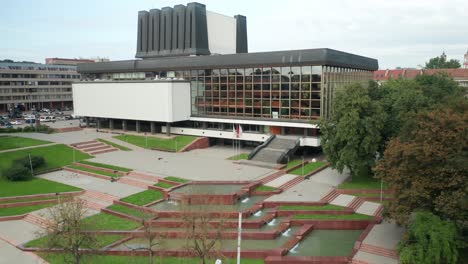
330	176
364	257
280	180
386	235
37	146
91	183
368	208
68	137
305	191
200	164
13	233
343	199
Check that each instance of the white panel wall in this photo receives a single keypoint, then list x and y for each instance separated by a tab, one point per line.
216	133
150	101
221	33
305	141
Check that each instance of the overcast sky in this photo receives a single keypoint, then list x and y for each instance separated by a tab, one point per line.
397	33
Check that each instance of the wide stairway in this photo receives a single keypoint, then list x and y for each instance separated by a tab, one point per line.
277	150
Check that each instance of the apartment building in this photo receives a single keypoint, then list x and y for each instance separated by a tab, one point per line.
34	86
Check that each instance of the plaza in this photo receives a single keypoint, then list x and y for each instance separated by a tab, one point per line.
288	204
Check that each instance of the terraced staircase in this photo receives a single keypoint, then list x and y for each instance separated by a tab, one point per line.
277	150
93	147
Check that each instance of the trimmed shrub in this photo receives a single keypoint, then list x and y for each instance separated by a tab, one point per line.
17	173
35	160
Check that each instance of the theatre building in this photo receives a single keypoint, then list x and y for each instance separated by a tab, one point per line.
193	75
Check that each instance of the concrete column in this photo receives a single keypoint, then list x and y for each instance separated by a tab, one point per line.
138	129
63	105
221	125
98	123
168	129
111	124
124	125
204	125
87	121
305	132
283	131
50	105
153	127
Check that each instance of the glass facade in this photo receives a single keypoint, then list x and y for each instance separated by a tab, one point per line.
287	93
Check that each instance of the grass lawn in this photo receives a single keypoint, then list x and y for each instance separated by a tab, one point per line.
176	179
361	182
311	207
130	211
12	142
22	209
101	241
55	156
264	188
292	163
332	217
103	221
54	258
242	156
164	185
173	144
106	166
105	173
113	144
143	197
28	200
34	186
308	168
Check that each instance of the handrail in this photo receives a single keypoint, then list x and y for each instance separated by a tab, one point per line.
283	158
259	147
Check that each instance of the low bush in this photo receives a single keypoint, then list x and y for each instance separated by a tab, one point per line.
40	128
17	173
20	169
36	161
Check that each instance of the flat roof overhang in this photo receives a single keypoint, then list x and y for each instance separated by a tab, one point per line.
317	57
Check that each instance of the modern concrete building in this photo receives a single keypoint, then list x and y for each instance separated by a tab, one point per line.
31	85
64	61
189	85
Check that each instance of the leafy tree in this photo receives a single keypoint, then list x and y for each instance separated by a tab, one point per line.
65	230
439	87
429	240
352	136
441	62
427	169
400	99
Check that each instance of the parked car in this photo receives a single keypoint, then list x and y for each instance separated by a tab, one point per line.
47	118
5	123
30	121
16	122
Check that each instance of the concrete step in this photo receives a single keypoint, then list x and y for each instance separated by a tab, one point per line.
94	204
272	176
134	182
85	146
100	147
100	196
291	183
84	143
355	203
103	151
37	220
379	251
143	176
330	196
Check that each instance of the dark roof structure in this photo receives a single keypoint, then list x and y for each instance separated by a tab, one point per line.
325	56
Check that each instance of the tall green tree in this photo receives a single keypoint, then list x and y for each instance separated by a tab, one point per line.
429	240
352	136
427	169
441	62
